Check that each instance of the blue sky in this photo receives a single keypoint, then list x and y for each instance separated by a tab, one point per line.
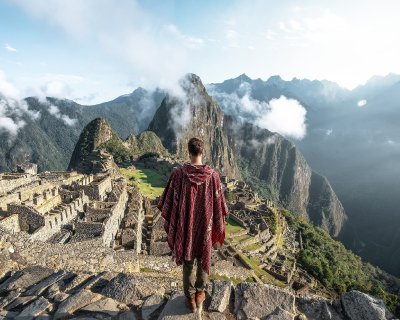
95	50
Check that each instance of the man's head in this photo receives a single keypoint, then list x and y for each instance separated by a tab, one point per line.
195	148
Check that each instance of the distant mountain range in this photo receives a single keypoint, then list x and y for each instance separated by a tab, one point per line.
352	138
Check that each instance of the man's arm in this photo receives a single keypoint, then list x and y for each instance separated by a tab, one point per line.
220	213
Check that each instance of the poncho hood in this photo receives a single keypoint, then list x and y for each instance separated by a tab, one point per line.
197	174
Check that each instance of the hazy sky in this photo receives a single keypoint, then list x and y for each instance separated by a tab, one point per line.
94	50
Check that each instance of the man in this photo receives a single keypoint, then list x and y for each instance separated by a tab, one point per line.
194	210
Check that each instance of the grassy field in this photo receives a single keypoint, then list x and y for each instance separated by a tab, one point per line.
150	182
232	227
253	246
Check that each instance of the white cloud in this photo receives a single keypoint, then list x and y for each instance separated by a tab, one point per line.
159	53
328	132
10	48
7	89
55	111
285	116
362	103
12	108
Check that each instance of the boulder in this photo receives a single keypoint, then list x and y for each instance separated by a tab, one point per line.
34	309
76	302
221	291
176	309
25	278
314	307
280	314
151	304
106	305
261	300
361	306
128	288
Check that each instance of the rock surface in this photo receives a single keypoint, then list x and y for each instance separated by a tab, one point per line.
221	292
128	288
259	301
360	306
176	309
314	307
122	296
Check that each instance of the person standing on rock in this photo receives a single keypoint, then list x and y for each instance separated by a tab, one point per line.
194	209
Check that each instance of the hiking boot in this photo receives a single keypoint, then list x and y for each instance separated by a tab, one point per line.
200	296
191	303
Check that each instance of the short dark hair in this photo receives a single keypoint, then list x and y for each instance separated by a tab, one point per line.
195	146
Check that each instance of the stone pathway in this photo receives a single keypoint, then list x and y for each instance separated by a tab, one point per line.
42	293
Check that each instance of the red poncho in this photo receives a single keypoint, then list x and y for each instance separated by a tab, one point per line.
194	209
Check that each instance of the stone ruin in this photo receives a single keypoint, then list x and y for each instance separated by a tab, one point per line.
88	246
63	207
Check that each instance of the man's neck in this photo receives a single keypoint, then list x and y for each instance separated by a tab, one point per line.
196	161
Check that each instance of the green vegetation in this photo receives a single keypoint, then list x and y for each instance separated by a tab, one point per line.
253	246
230	196
115	147
241	238
232	227
259	272
248	175
272	221
149	181
336	267
225	278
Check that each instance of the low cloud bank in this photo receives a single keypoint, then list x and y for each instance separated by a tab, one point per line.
282	115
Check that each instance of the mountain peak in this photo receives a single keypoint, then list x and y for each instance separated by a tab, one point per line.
274	80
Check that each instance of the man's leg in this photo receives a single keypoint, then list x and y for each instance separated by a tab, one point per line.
188	278
201	277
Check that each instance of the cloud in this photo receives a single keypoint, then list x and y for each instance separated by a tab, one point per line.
7	89
13	110
10	48
10	125
159	52
362	103
55	111
284	116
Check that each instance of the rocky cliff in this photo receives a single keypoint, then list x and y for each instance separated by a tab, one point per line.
194	114
98	143
96	136
146	141
277	169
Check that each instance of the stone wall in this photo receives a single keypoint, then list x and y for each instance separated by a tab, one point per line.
111	225
57	218
86	256
86	231
11	223
11	181
29	218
